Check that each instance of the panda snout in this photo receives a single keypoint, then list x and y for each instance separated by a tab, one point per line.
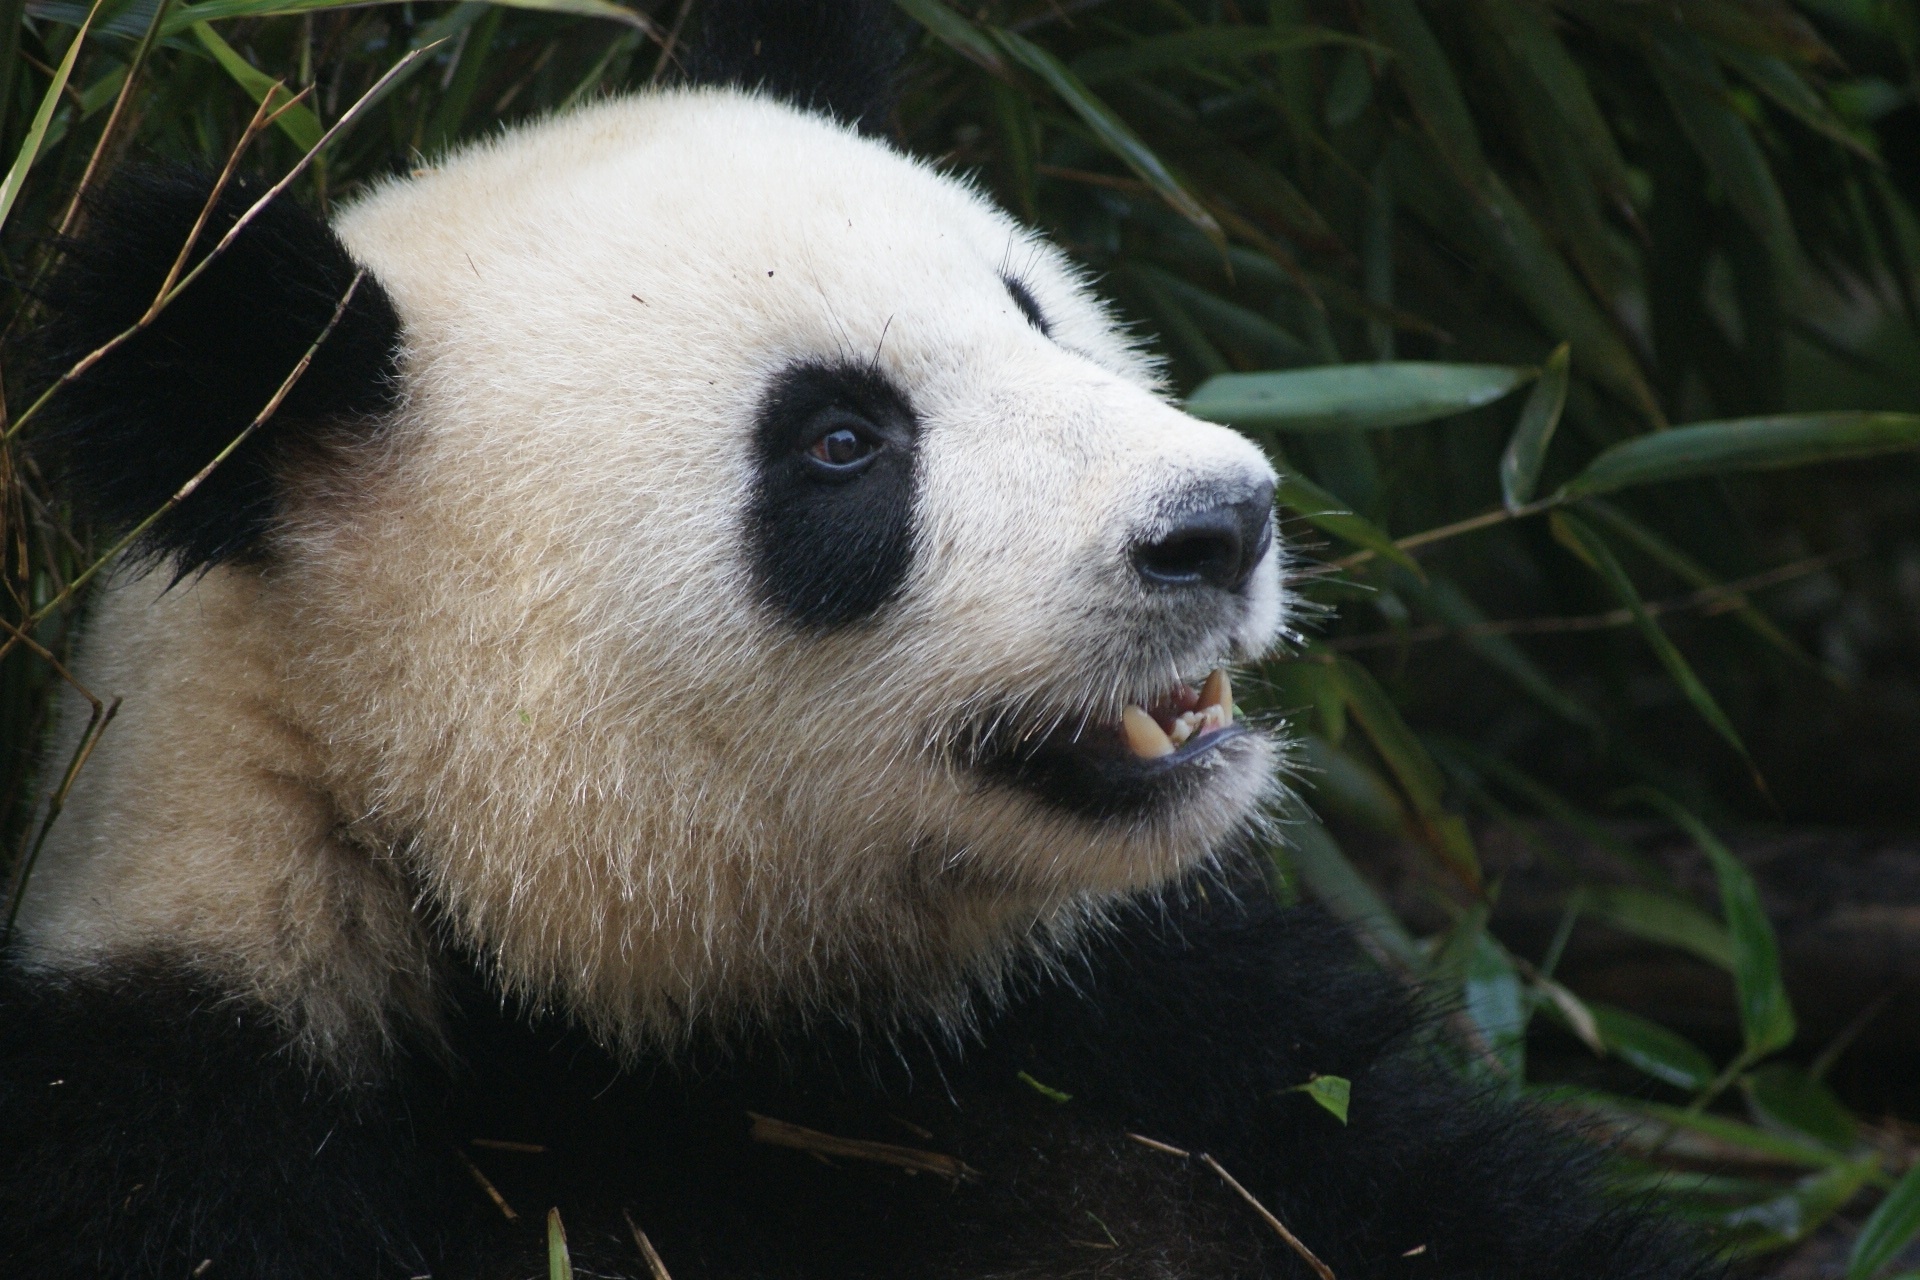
1213	542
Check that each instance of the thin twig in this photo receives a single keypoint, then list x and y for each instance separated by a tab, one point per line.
666	57
780	1133
1728	595
501	1144
186	490
300	166
113	117
493	1192
647	1251
1161	1147
96	726
1294	1242
1486	519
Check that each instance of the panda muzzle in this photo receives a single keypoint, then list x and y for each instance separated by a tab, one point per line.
1185	715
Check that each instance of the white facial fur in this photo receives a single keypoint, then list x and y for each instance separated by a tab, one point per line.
514	655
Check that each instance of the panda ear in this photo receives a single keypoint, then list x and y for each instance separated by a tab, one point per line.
127	434
834	56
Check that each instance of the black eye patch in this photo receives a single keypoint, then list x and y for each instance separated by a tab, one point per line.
831	519
1023	299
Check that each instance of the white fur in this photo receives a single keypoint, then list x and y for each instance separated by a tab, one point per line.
513	651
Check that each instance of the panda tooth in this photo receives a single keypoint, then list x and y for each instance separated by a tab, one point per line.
1145	738
1217	691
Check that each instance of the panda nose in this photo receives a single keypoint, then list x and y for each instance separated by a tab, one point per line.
1215	544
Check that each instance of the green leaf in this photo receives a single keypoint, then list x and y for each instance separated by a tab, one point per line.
1327	513
1420	779
956	32
1784	1095
1792	92
1493	1000
1527	451
1585	542
1428	78
1203	44
42	118
1793	1216
1746	444
1893	1226
1766	1015
1332	1092
1348	397
1757	1142
1046	1091
214	10
1349	788
1675	561
1341	889
1246	333
1694	87
1530	39
1664	918
1651	1048
1447	602
559	1261
1110	129
297	122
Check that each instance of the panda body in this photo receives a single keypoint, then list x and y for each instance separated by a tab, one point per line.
665	694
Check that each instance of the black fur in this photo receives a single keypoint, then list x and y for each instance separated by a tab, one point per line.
1029	306
837	57
180	1134
141	423
831	550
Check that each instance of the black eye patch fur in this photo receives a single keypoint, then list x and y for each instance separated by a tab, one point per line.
1030	308
830	550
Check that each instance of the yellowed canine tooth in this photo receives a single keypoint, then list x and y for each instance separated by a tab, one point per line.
1217	691
1145	737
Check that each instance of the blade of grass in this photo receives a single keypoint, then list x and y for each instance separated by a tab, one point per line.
296	120
37	131
1895	1224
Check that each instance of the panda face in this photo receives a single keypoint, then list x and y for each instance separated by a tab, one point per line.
782	584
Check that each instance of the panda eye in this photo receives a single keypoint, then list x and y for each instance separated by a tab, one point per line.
842	450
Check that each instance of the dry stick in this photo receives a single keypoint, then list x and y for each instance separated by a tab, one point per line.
186	490
113	117
1727	593
647	1251
493	1192
667	45
96	726
1320	1268
780	1133
1294	1242
300	166
1484	520
501	1144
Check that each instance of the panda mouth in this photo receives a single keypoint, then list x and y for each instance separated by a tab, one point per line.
1155	754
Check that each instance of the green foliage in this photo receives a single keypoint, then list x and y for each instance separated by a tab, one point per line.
1460	266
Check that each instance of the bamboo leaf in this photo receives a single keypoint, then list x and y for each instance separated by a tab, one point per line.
1691	571
1420	779
1790	90
1336	781
1447	602
1340	888
298	122
1587	544
1245	332
1493	999
1203	44
42	118
1895	1224
1785	1095
1348	397
1650	1048
956	32
1795	1214
559	1261
1426	73
185	16
1746	444
1693	86
1526	452
1528	36
1335	1093
1766	1015
1664	918
1328	514
1109	128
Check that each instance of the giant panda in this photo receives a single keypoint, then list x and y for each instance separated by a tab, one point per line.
704	711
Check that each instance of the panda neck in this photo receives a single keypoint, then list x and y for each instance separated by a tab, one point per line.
197	834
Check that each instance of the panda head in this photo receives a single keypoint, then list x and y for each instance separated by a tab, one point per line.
733	570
